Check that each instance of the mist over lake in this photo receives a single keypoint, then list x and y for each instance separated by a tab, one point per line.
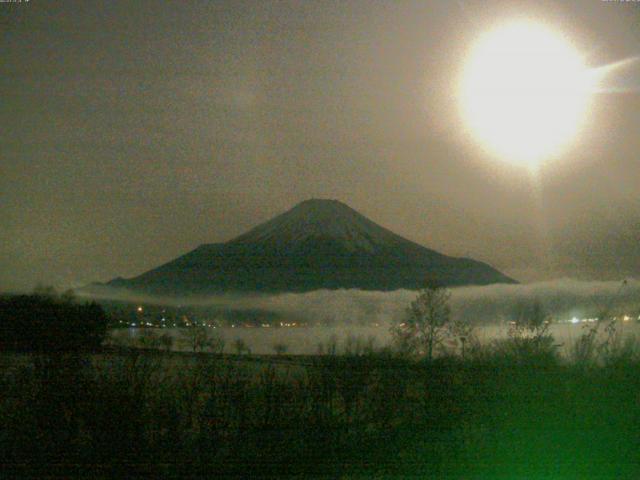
562	299
309	340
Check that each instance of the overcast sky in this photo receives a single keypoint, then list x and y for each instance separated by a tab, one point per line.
132	132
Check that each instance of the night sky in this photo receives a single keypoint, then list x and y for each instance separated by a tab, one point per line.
132	132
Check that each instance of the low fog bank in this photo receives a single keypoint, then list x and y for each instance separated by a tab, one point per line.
563	299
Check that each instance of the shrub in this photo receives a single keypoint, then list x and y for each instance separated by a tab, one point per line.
199	339
280	348
241	347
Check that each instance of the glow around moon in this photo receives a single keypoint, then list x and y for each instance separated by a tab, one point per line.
524	93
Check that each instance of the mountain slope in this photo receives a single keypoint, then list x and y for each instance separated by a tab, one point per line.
317	244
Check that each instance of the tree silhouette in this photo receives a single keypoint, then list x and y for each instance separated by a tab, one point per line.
425	323
50	323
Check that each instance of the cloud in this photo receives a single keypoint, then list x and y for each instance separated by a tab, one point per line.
562	298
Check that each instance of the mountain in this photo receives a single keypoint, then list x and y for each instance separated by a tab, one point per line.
317	244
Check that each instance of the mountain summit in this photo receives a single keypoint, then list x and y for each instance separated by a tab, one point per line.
317	244
321	219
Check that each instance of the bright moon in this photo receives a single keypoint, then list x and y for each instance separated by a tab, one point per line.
524	93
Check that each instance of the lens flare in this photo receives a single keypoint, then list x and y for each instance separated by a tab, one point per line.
524	93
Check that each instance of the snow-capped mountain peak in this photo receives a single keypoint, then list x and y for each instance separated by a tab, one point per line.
319	218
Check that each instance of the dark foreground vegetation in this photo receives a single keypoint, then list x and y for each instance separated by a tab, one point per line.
513	409
46	322
495	415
